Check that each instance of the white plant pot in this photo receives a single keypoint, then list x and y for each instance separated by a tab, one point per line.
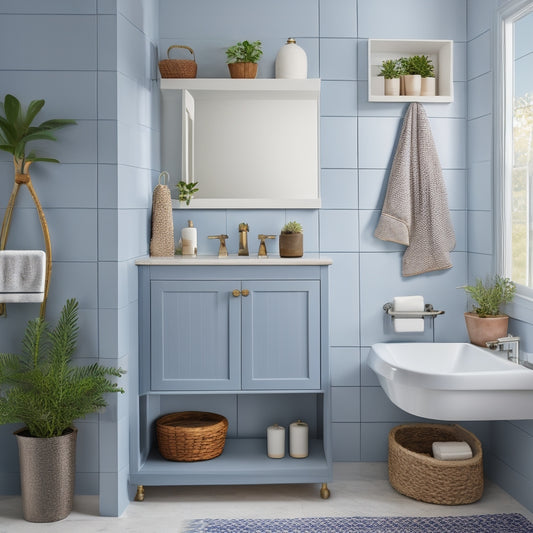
413	84
392	87
427	87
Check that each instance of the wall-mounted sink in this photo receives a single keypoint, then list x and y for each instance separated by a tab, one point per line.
453	381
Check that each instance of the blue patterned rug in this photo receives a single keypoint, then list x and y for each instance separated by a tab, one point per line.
487	523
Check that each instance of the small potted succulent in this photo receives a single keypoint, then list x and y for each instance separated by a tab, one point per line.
391	74
423	65
242	59
291	240
412	80
485	322
186	191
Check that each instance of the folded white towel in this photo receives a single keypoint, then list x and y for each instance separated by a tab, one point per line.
409	304
451	451
22	275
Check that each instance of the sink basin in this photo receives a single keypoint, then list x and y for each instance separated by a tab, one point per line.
453	381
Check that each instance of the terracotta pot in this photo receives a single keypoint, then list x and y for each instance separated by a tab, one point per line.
242	70
291	245
427	87
47	475
482	330
412	84
392	86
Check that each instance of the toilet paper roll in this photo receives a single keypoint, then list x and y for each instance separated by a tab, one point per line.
276	441
299	440
409	304
408	325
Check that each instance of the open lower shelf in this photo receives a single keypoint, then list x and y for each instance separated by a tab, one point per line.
243	461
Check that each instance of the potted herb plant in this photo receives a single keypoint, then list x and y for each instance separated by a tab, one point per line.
485	322
186	191
412	79
391	74
291	240
45	391
242	59
423	65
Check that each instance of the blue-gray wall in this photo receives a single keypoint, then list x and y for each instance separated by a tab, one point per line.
97	66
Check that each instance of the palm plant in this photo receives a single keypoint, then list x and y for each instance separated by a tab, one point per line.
42	389
16	131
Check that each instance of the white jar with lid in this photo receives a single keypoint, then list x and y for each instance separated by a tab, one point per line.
291	61
189	240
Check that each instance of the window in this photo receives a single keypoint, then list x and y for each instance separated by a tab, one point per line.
514	163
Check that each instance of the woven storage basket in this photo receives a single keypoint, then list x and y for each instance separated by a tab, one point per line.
191	435
414	472
178	68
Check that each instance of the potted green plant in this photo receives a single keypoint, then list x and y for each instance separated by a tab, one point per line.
391	74
45	391
242	59
291	240
16	131
423	65
186	191
485	322
411	78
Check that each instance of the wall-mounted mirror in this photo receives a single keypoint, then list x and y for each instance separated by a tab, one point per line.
249	143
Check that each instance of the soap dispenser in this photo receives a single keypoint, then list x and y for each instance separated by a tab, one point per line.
189	240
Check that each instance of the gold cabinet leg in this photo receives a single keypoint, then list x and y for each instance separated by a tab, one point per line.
139	496
324	491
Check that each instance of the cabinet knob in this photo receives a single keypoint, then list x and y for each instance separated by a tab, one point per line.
236	292
245	292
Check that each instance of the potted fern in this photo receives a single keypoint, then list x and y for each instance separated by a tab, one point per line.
43	390
242	59
486	322
291	240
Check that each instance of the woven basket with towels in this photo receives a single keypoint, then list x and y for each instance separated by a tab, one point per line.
162	242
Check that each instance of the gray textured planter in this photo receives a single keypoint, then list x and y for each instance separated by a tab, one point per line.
47	475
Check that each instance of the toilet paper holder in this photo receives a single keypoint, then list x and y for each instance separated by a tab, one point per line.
428	311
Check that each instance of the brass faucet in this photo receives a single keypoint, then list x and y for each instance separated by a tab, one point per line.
243	239
262	246
222	251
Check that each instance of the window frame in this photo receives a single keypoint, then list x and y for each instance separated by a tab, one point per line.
522	306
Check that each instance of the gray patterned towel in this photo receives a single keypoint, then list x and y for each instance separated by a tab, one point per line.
22	275
415	211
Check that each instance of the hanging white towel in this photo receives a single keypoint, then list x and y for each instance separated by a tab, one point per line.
22	275
415	211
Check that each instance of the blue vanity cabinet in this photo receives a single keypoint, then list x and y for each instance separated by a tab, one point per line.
244	338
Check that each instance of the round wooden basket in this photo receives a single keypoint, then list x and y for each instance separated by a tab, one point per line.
191	435
415	473
178	68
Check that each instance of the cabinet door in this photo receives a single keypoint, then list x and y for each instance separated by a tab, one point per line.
281	335
195	335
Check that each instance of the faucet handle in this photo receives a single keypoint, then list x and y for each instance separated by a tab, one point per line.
222	250
262	246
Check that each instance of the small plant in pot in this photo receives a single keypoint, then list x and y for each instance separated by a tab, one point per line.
42	389
291	240
242	59
485	322
391	74
186	191
423	65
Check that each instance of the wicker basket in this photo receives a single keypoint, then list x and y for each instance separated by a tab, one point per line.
191	435
414	472
178	68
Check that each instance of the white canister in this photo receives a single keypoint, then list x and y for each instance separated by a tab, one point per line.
299	439
189	240
291	61
276	441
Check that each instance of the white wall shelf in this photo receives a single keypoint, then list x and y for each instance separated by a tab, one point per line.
439	51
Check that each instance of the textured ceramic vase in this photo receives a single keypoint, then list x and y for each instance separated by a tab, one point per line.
482	330
392	86
242	70
47	475
291	245
412	84
427	87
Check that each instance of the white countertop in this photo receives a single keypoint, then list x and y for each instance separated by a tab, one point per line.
233	259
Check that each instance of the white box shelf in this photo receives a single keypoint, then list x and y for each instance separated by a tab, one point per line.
439	51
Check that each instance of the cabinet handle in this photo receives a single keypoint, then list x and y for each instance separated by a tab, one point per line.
236	293
245	292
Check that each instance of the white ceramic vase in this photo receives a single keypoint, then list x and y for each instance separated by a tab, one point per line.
413	84
392	86
427	87
291	61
